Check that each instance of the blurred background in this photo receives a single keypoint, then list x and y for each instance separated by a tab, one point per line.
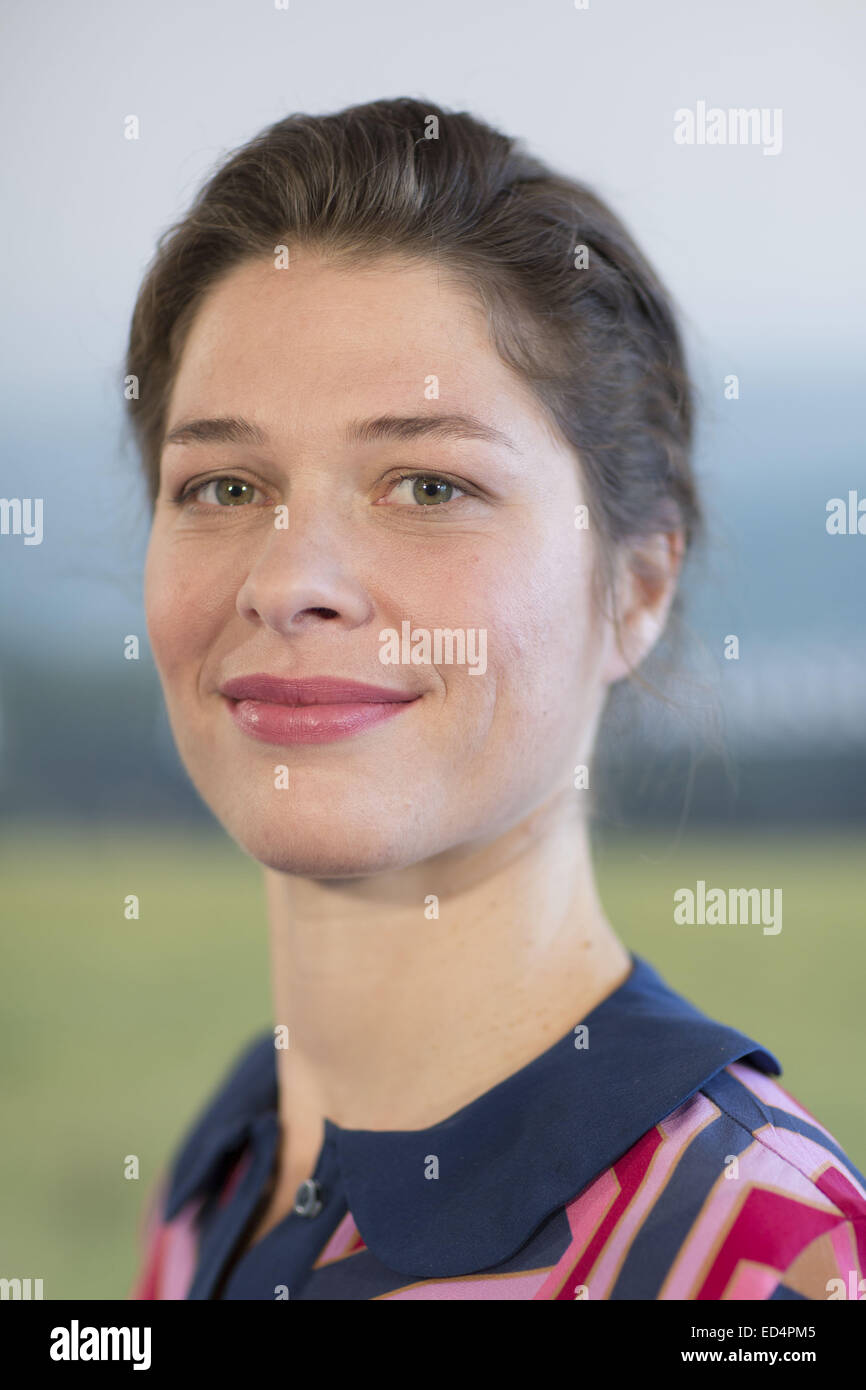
746	772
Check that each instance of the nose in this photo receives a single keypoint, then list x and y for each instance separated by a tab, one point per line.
301	577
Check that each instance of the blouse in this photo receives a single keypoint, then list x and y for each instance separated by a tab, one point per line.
648	1154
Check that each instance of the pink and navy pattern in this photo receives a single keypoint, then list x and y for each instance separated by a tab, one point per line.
737	1192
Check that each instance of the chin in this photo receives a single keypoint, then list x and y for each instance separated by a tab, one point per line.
323	856
330	842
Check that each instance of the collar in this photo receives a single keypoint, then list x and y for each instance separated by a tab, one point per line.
510	1158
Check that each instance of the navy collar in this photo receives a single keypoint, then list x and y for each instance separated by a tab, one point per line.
510	1158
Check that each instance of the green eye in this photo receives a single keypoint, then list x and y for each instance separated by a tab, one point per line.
231	492
425	489
221	492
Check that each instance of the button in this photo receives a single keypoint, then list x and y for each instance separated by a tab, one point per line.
308	1198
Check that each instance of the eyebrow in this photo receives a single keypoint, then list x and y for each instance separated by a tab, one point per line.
222	430
236	430
414	426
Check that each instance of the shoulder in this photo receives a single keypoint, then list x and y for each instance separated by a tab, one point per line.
168	1229
738	1193
247	1089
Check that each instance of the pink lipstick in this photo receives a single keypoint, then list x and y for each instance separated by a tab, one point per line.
319	709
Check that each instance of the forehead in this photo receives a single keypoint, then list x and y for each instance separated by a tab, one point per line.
318	339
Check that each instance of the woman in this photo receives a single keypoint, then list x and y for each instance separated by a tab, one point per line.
416	422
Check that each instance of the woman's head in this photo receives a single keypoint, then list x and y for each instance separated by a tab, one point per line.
348	269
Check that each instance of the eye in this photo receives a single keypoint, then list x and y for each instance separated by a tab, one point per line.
222	492
424	489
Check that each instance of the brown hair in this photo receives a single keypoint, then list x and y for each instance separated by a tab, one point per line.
597	342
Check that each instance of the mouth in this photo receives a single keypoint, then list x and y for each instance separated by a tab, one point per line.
319	709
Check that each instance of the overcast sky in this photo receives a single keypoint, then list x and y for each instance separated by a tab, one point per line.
762	251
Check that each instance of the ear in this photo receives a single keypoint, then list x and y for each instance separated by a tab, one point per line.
646	581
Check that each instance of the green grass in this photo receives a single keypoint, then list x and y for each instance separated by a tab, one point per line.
114	1030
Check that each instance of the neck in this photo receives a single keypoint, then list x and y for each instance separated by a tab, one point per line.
397	1017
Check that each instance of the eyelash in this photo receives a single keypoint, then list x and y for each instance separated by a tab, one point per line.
431	478
189	493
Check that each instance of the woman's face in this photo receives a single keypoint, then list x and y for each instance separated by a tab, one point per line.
292	550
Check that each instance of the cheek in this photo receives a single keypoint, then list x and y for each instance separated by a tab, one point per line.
186	601
544	650
537	606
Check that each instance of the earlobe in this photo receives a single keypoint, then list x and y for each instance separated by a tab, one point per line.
646	585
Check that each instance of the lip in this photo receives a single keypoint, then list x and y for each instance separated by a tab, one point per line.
317	709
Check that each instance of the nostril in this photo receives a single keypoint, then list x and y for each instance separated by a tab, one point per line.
324	612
